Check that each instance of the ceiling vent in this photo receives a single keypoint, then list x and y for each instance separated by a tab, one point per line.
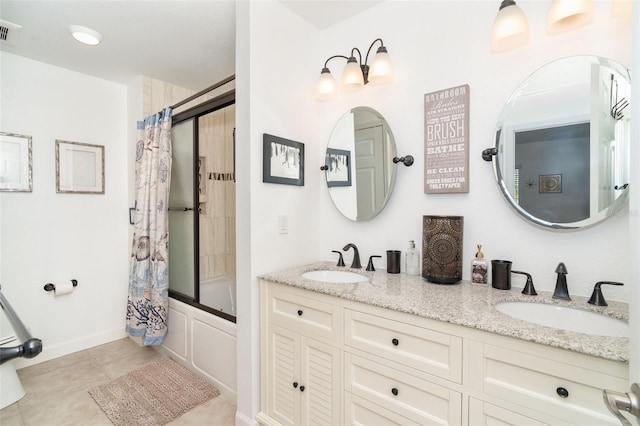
9	32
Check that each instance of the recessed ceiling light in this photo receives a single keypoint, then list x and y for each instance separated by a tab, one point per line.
85	35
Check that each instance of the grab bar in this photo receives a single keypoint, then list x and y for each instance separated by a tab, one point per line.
30	347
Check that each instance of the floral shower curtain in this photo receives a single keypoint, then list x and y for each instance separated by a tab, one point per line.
148	301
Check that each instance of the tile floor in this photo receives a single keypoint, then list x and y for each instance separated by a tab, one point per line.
57	390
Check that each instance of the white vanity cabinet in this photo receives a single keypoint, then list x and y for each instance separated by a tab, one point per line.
366	365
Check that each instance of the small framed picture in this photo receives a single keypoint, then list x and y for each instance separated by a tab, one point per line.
338	163
16	164
79	168
282	161
550	183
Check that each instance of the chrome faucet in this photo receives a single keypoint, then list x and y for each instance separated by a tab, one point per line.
561	291
356	255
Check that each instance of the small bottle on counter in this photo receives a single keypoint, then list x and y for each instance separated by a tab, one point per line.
479	268
412	260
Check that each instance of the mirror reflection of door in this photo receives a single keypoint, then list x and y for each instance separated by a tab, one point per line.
370	170
366	137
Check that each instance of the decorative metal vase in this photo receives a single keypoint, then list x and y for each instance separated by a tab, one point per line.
442	248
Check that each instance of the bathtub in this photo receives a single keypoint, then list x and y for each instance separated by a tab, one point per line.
203	342
219	293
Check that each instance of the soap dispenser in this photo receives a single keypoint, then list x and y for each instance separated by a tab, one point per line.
412	260
479	268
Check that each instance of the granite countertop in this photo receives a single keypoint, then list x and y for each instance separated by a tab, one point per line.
466	304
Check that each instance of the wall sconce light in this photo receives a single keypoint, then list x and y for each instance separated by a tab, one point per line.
568	14
356	73
510	28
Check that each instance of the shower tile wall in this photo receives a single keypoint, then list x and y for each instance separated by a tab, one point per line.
157	95
218	195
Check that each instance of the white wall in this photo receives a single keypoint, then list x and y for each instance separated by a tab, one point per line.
434	45
49	237
269	36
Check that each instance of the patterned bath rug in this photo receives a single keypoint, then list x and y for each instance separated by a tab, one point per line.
152	395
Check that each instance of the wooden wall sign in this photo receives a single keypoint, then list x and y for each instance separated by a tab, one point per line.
446	141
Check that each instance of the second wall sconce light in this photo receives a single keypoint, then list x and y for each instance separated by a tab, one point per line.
356	73
511	29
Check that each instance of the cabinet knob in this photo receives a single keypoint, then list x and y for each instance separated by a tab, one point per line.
395	341
300	312
295	384
301	388
562	392
394	391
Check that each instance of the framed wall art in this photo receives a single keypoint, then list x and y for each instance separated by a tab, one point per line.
16	163
446	141
79	168
282	161
550	183
338	164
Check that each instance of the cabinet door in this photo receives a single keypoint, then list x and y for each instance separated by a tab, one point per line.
303	379
283	372
320	376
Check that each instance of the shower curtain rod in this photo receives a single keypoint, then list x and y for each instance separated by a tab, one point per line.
205	91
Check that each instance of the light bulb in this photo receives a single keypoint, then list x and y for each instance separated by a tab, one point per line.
510	28
381	69
568	14
352	78
326	88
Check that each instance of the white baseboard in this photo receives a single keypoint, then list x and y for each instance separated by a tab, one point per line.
241	419
71	346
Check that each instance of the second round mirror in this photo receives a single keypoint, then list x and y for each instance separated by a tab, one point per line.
562	143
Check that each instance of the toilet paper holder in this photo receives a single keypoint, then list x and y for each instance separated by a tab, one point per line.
52	287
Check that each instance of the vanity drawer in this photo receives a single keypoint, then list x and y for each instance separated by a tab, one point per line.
484	414
316	317
416	399
359	411
571	392
427	350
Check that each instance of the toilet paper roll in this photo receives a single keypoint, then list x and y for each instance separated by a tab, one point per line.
63	288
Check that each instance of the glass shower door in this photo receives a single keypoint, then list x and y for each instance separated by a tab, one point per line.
182	210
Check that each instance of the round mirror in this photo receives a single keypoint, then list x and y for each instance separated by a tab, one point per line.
562	143
359	163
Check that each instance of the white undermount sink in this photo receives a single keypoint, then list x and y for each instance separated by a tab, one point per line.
565	318
331	276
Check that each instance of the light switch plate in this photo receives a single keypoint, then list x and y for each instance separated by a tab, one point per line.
283	224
